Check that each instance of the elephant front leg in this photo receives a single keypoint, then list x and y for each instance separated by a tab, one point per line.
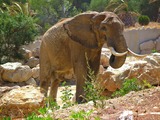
81	75
54	89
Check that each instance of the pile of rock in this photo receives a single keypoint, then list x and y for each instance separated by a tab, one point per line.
146	69
18	102
16	72
150	46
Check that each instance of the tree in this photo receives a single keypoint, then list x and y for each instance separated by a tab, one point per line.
150	8
81	5
98	5
15	31
50	11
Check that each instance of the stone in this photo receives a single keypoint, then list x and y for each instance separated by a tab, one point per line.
144	71
26	53
33	45
145	52
15	72
101	69
21	102
105	55
107	80
148	45
35	72
36	52
31	81
157	44
33	62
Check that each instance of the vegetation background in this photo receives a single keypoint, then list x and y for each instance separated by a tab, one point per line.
22	20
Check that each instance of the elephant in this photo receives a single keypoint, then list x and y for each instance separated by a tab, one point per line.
66	44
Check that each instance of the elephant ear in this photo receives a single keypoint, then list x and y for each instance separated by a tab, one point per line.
79	28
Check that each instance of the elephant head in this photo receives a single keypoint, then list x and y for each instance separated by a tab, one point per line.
93	29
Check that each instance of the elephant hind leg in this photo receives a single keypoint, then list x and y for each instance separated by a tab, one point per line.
54	89
45	70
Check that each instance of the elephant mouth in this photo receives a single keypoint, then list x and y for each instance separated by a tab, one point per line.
117	59
117	54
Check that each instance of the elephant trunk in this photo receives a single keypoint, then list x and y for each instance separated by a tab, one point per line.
120	47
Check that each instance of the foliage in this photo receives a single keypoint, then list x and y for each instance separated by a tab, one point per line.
50	11
6	118
150	8
154	51
143	20
93	90
117	6
66	96
131	85
98	5
16	7
81	115
15	31
34	116
81	5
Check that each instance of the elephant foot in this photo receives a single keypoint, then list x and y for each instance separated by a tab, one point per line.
81	99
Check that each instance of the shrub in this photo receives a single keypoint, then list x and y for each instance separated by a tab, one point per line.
143	20
15	31
131	85
93	90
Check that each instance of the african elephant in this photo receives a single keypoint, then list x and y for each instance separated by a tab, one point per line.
66	44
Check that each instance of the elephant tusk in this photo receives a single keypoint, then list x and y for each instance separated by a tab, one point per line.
116	53
134	54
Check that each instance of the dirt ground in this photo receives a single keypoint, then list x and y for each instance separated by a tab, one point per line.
141	105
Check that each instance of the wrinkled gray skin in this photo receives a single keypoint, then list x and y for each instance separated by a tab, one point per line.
65	45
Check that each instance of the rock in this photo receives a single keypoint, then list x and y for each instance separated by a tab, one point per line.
33	62
31	81
156	56
36	52
16	72
144	71
151	60
33	45
5	89
147	69
35	71
158	44
108	81
147	46
126	115
145	51
21	102
101	69
26	53
105	55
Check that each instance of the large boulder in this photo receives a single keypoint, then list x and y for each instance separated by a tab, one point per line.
158	44
36	71
21	101
147	47
36	52
32	62
15	72
105	55
146	69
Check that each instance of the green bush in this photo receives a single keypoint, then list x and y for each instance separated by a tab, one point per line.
143	20
131	85
15	31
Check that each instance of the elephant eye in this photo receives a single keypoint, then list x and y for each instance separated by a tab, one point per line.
104	28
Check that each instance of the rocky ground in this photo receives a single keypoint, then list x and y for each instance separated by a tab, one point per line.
20	95
141	105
